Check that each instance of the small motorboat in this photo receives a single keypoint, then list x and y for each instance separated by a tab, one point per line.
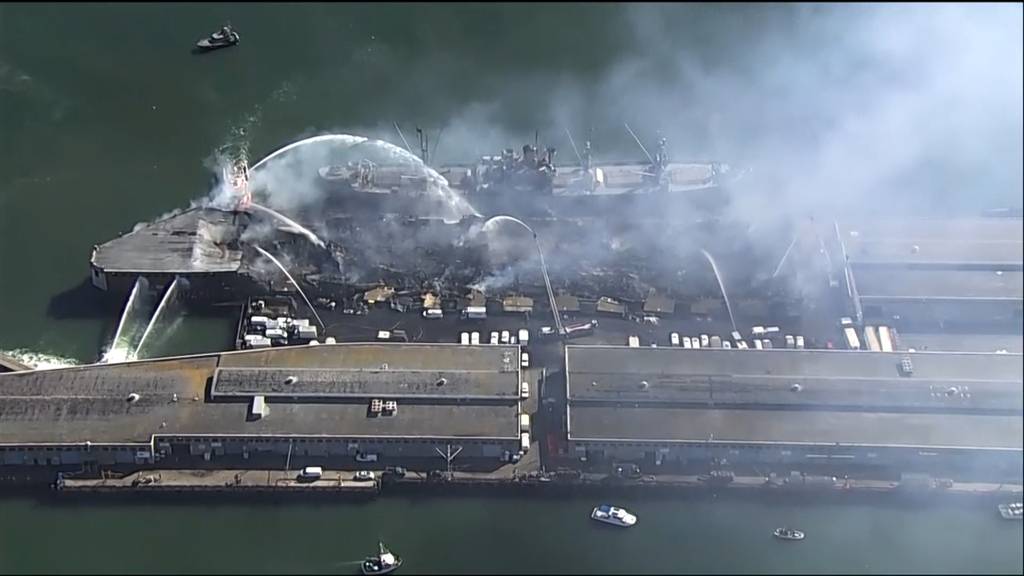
788	534
222	38
1012	511
613	515
383	563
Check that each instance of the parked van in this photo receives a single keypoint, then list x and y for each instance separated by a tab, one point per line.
311	473
524	390
504	336
634	341
494	338
674	338
474	338
464	338
524	422
686	342
524	442
524	336
705	341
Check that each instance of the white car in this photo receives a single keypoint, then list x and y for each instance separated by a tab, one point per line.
365	476
474	338
705	341
674	338
494	338
464	338
695	341
686	342
524	390
504	336
525	360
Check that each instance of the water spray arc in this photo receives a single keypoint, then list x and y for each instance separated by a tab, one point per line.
119	346
543	267
294	283
721	286
169	295
291	223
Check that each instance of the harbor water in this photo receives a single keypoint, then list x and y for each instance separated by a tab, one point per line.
116	123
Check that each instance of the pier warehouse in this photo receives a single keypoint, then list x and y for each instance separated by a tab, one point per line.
926	274
796	410
318	402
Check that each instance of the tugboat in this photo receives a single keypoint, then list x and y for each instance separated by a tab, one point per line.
383	563
788	534
613	515
1012	511
222	38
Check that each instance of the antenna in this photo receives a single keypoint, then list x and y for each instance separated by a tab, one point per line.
423	144
402	136
631	133
433	153
574	149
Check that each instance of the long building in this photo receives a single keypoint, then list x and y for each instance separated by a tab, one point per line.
325	401
928	273
928	412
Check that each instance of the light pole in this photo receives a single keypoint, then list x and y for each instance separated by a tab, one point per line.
543	268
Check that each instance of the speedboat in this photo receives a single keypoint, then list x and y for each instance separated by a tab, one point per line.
788	534
383	563
220	39
1012	511
613	515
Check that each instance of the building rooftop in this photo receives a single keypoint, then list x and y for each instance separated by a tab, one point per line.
614	375
195	240
796	427
878	283
91	403
940	230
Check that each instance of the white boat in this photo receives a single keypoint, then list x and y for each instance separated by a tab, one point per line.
788	534
613	515
383	563
1012	511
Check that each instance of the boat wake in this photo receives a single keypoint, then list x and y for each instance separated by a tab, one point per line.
39	360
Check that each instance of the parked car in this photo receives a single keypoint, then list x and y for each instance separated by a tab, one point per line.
365	476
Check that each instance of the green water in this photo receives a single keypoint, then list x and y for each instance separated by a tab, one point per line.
106	120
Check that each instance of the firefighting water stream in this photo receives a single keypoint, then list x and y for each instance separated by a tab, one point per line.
721	286
293	282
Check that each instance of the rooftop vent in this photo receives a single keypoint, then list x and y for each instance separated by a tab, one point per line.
260	409
133	398
906	366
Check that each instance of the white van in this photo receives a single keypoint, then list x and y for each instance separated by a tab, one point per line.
634	341
494	338
524	442
311	473
464	338
674	338
524	360
524	390
524	422
524	336
686	342
504	336
474	338
705	341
